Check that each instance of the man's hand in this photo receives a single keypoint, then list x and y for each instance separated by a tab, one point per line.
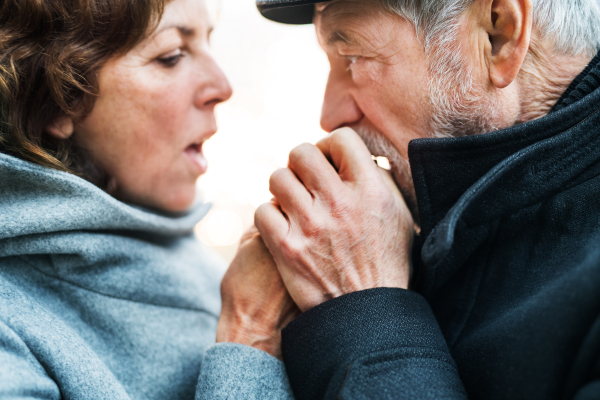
336	232
256	304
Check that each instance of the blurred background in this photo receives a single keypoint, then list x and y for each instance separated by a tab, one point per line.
278	74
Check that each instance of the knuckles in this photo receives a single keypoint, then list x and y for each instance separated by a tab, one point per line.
342	135
341	205
312	227
300	153
260	215
290	250
278	177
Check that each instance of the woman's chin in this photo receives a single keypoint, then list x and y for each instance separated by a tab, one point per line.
173	200
181	202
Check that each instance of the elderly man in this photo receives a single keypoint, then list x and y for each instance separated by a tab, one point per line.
489	111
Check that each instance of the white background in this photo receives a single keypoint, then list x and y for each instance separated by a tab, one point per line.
278	74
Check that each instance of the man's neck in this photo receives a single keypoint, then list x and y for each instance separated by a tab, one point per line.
543	79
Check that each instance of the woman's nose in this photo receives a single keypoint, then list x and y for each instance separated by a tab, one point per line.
216	88
339	107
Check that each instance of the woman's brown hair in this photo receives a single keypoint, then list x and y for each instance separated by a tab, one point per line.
50	53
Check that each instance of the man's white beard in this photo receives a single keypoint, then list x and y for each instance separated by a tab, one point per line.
380	146
459	107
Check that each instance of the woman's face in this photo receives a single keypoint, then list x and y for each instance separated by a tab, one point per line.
155	110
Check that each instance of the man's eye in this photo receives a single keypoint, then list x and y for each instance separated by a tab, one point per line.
351	61
170	59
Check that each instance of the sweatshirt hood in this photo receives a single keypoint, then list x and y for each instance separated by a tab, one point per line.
58	225
35	199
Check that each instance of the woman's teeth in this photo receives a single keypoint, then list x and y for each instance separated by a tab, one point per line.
195	152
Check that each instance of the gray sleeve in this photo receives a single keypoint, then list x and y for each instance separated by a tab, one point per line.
21	375
235	371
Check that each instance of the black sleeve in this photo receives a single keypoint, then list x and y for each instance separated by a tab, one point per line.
590	391
375	344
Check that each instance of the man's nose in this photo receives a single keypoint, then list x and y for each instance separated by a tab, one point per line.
339	106
215	88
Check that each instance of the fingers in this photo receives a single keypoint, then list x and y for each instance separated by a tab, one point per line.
271	224
313	169
389	182
349	154
291	195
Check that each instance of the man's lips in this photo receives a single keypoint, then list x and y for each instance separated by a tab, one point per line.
194	154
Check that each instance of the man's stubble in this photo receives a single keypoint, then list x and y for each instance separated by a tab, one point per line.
459	108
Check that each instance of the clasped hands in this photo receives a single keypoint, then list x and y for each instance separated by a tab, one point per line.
337	224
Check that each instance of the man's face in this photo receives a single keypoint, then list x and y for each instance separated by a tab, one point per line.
379	72
382	84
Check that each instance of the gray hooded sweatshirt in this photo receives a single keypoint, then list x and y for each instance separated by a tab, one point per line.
103	300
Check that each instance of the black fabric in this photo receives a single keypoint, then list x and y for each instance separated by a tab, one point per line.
584	84
401	320
511	271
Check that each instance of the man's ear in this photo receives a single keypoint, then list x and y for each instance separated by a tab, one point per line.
510	23
61	128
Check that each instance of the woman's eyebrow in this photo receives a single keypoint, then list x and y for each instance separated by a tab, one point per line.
183	30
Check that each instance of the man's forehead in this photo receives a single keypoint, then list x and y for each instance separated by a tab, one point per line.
336	11
351	22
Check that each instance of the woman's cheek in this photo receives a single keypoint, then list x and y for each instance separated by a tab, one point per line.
168	113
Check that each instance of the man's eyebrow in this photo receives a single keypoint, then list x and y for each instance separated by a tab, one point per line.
337	37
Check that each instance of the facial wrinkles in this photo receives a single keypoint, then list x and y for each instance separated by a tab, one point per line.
367	29
459	107
352	23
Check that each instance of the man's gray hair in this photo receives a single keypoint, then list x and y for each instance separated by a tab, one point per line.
572	26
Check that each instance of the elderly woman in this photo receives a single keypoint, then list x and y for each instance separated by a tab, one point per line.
104	293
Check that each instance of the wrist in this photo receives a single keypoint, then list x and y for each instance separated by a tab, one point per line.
249	333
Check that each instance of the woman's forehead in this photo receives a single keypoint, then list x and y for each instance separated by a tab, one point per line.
189	14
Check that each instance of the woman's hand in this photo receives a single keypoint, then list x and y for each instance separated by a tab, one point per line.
256	304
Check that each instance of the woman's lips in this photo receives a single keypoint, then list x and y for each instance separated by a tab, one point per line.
194	154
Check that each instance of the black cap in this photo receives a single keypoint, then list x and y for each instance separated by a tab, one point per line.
288	11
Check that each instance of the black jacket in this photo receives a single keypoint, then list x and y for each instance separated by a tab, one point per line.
508	298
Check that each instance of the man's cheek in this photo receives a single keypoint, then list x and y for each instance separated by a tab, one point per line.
367	74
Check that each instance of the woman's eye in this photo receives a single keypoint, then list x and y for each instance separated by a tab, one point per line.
170	59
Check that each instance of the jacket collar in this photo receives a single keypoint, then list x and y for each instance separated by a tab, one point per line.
443	169
478	178
583	85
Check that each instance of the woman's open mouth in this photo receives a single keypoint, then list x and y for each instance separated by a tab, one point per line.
194	154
